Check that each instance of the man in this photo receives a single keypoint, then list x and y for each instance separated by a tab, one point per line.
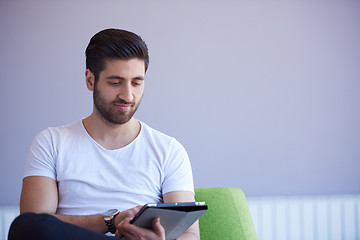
105	161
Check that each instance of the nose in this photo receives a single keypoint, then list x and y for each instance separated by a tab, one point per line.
126	93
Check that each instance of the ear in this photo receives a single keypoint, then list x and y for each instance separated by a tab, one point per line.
90	79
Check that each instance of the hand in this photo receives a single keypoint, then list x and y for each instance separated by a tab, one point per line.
130	213
131	232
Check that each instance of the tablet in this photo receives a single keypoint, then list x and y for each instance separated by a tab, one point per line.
176	218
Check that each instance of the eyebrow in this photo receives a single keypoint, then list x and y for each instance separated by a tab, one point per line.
112	77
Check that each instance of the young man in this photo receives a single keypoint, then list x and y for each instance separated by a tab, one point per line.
108	160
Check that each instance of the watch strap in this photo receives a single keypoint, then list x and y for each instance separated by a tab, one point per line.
110	225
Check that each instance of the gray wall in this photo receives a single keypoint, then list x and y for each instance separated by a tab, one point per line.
263	95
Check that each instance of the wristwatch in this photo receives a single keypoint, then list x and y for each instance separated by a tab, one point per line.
109	216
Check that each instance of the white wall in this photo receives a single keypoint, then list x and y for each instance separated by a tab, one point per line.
264	95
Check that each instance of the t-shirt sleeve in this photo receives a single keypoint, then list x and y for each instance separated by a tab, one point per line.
178	172
41	157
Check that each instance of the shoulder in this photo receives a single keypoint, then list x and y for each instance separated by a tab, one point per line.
159	140
53	133
153	135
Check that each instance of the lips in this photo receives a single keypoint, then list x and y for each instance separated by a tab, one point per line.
123	107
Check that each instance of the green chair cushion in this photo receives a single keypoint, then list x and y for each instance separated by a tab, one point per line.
228	216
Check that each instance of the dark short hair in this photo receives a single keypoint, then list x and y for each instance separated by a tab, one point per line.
114	44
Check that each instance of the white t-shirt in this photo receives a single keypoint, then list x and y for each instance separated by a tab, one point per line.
92	179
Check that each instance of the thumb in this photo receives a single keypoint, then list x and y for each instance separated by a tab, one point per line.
158	228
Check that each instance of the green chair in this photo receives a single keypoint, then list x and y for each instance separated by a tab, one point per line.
228	216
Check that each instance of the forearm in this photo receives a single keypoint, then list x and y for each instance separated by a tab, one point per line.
40	195
96	222
193	233
91	222
189	236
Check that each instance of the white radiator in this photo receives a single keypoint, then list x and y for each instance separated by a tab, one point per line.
306	218
282	218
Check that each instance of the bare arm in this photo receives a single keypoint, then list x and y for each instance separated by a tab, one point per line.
40	195
193	233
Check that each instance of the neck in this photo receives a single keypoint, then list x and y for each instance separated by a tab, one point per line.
111	136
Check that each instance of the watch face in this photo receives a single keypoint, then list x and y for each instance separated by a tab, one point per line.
110	212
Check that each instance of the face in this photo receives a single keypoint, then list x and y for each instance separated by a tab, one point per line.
119	89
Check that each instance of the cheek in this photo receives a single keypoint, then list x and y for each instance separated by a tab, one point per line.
107	95
138	94
110	93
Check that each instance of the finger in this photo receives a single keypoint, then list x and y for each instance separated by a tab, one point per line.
118	234
130	213
129	231
138	207
158	228
121	227
133	211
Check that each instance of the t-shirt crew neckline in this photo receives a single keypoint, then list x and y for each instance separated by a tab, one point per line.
110	150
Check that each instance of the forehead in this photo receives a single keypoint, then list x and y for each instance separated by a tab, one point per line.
133	66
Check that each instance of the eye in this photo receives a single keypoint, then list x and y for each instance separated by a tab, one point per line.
137	83
115	83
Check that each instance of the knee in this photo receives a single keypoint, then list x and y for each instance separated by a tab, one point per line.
23	221
28	226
